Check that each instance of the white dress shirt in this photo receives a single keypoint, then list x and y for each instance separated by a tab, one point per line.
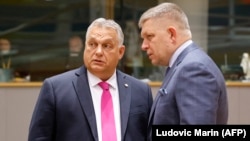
96	93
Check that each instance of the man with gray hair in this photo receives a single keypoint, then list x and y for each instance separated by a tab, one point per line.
95	102
193	90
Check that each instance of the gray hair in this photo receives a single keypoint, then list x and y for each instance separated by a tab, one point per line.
171	11
102	22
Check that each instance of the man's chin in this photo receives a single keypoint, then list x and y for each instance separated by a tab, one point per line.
154	62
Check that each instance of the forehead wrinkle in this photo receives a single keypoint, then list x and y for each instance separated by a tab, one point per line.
100	38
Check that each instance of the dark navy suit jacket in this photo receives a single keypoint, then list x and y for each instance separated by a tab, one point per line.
64	110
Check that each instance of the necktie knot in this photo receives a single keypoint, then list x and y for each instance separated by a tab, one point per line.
104	85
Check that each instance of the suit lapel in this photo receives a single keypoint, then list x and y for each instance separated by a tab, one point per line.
85	99
177	62
168	77
125	98
184	53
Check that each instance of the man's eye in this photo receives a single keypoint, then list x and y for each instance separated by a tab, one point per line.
107	46
92	45
149	37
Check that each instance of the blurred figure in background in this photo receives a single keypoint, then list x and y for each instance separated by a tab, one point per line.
133	55
245	64
74	60
5	53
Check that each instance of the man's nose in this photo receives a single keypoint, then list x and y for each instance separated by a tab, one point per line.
99	49
144	45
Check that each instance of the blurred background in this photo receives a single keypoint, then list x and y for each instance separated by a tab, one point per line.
39	33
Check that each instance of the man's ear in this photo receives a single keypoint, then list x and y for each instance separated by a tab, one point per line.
121	51
172	32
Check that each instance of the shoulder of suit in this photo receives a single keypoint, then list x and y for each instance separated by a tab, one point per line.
66	75
129	77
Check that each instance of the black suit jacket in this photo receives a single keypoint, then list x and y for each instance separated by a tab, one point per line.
65	112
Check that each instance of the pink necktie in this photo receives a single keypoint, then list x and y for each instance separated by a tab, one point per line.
108	120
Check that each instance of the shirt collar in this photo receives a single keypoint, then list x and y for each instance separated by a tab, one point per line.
93	80
178	52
